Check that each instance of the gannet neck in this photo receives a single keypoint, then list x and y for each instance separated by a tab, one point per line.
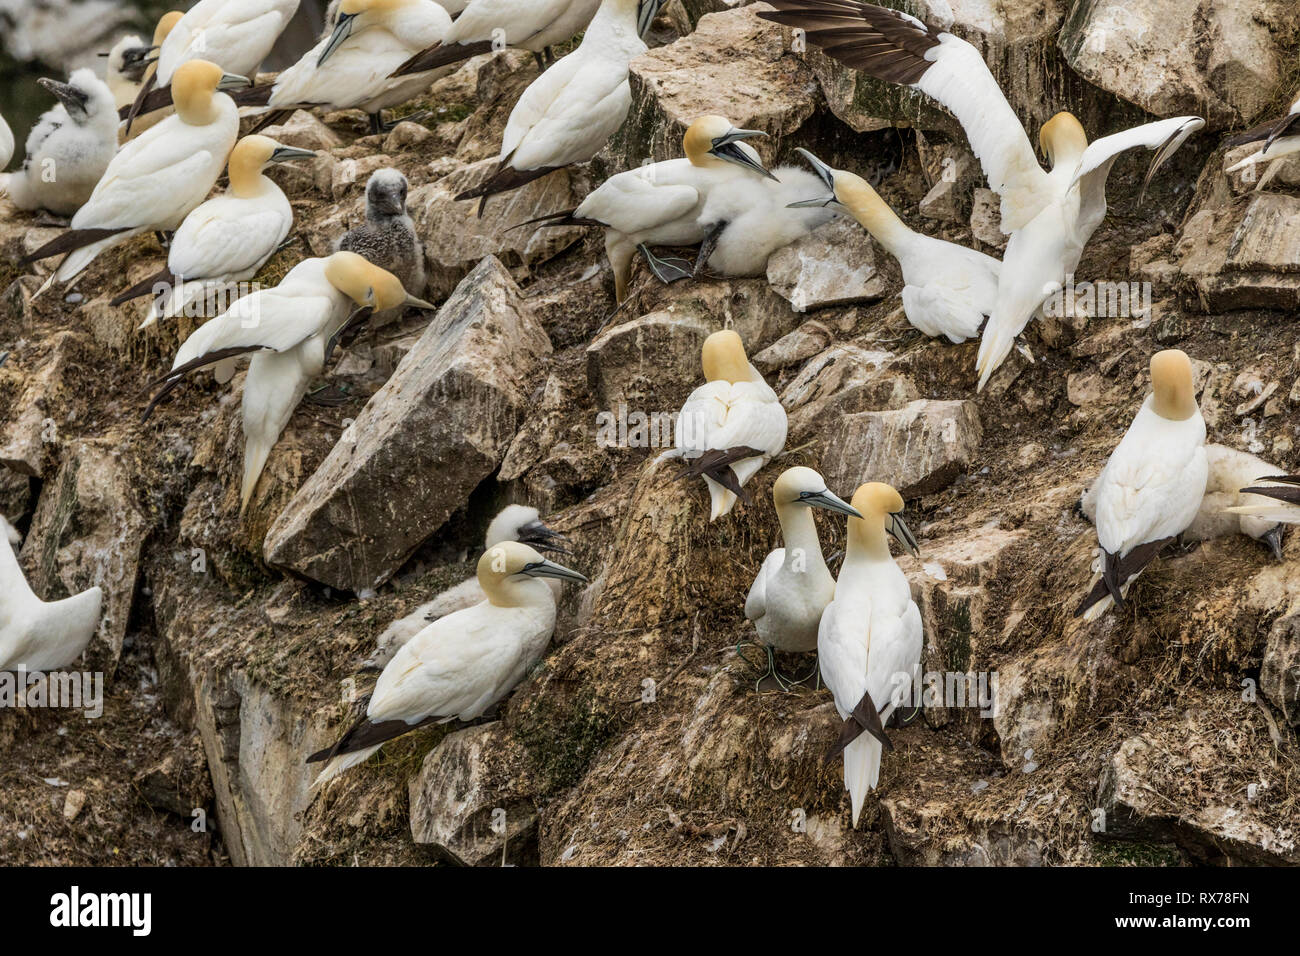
724	359
871	212
247	160
193	91
613	18
1173	393
166	23
869	535
799	535
1063	139
507	573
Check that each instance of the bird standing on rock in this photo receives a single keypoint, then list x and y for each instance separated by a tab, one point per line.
388	237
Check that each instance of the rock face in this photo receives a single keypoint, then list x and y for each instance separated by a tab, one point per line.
1249	260
438	427
836	264
28	437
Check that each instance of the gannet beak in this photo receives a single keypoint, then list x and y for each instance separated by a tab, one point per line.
342	30
419	303
830	501
284	154
231	81
1273	538
645	15
71	97
549	569
826	175
543	538
724	147
136	59
903	535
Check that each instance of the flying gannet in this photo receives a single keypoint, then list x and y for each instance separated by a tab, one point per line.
731	426
127	62
226	239
948	289
569	112
156	179
487	25
35	635
1280	136
69	147
460	665
870	638
1152	486
793	586
1049	216
514	523
290	331
388	237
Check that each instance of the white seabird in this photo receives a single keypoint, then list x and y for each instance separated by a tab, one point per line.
462	664
1280	136
569	112
388	237
134	123
514	523
731	426
156	179
1151	488
226	239
6	143
948	289
870	638
793	585
290	331
124	70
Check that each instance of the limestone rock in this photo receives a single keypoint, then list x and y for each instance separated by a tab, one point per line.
30	430
1243	263
647	363
836	264
986	219
842	379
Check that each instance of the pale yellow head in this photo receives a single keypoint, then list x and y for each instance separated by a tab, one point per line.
368	285
724	359
505	566
1172	386
166	23
251	155
194	84
880	506
1062	137
700	136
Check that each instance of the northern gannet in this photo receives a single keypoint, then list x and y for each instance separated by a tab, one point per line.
290	331
6	143
948	289
35	635
156	179
69	147
487	25
514	523
660	203
1049	216
227	238
793	586
460	665
388	237
870	638
569	112
1280	136
127	62
129	112
731	426
1151	488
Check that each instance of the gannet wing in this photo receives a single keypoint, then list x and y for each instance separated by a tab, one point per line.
756	600
18	594
137	184
1163	136
1270	130
542	95
225	237
632	202
843	639
576	125
702	413
1145	496
752	420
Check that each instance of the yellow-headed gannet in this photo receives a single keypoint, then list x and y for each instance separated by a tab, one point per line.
869	642
793	586
69	147
487	25
660	203
948	289
1049	216
127	62
1280	136
569	112
156	179
514	523
6	143
731	426
462	664
388	237
290	331
227	238
1151	488
35	635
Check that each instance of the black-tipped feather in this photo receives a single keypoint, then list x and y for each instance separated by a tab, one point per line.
174	377
364	734
1268	132
1290	495
1117	572
439	55
875	40
145	286
69	241
564	218
716	464
503	180
145	89
156	99
864	719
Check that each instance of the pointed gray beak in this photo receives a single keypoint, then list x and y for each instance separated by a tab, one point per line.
1273	538
645	15
71	97
725	148
549	569
543	538
284	154
826	175
903	535
828	500
232	81
419	303
342	30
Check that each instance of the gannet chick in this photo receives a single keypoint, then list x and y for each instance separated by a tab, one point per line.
793	586
731	426
462	664
870	638
36	635
69	147
1049	216
1152	485
948	289
514	523
127	62
226	239
660	203
388	237
1280	136
569	112
290	331
136	124
487	25
156	179
6	143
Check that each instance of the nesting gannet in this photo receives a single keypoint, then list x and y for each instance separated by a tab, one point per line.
660	203
127	62
6	143
135	123
869	642
1280	136
1049	216
462	664
487	25
568	113
948	289
290	331
1152	485
731	426
69	147
514	523
388	237
226	239
156	179
793	586
35	635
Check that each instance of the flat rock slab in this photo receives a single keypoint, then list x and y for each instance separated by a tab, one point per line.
436	429
835	264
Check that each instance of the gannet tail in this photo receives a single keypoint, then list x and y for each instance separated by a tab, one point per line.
256	451
995	346
439	55
861	770
342	763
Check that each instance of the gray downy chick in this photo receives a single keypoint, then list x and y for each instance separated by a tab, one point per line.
388	237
